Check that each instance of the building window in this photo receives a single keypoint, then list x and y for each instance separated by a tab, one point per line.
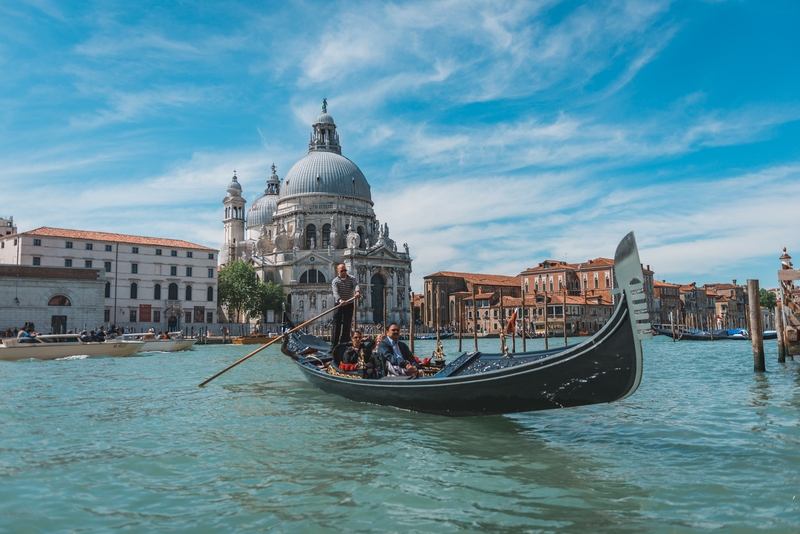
585	284
107	266
108	290
106	316
68	244
172	292
173	271
89	246
67	263
134	291
326	235
551	286
311	235
157	316
188	253
108	248
608	282
210	255
596	283
87	264
133	316
37	261
134	250
188	292
59	300
187	317
312	276
134	268
210	294
158	252
173	253
210	317
157	292
211	273
37	242
188	271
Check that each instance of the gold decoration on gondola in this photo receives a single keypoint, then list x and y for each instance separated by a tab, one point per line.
335	372
438	354
503	345
362	363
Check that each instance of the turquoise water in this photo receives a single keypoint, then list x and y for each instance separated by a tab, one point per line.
133	445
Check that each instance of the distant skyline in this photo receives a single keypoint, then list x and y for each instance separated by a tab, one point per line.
495	135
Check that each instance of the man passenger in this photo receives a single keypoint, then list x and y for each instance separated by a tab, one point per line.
399	359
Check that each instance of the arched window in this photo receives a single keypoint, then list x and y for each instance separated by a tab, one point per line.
312	276
326	235
210	294
108	290
188	292
608	282
134	291
172	291
360	231
59	300
157	292
311	234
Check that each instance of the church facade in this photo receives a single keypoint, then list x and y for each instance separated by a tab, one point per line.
319	216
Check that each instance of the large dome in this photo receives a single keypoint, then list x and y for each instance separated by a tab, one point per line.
261	211
326	173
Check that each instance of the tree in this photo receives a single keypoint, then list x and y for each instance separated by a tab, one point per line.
238	283
767	299
267	297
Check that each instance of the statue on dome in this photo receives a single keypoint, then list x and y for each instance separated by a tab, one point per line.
324	105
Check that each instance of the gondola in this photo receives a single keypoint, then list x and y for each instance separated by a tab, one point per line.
685	334
604	368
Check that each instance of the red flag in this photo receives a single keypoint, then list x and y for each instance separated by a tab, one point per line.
511	327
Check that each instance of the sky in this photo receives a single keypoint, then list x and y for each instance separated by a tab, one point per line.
495	135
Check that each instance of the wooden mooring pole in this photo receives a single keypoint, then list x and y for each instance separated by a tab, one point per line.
779	329
756	331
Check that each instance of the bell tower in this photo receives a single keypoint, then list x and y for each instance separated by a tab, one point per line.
233	222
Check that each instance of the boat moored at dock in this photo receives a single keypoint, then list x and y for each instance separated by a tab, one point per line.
51	347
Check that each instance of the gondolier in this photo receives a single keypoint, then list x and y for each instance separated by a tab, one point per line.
345	287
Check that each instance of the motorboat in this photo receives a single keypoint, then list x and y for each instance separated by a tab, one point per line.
171	342
604	368
253	339
51	347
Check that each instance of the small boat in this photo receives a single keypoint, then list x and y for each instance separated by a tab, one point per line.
174	342
51	347
253	339
770	334
690	334
737	333
607	367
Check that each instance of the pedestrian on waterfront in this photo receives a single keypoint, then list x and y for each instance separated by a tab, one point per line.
345	287
399	359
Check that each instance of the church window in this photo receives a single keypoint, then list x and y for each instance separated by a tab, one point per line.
312	276
134	291
173	291
311	235
59	300
188	292
326	235
157	292
360	231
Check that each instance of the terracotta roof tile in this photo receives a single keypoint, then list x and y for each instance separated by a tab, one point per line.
476	278
45	231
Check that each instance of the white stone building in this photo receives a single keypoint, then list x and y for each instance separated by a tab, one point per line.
319	216
165	284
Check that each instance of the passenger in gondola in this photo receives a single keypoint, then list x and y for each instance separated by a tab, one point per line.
399	359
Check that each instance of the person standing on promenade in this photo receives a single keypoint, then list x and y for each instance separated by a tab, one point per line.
345	287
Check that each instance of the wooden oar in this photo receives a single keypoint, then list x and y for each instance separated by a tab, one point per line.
296	328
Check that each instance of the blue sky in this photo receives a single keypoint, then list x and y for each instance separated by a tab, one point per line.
494	134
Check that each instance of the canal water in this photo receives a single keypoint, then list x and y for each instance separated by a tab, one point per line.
133	445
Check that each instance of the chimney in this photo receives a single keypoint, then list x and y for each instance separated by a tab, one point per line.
734	282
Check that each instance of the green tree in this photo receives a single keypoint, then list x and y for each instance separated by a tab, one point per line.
767	299
267	297
238	283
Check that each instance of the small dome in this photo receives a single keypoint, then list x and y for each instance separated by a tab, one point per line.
234	185
325	173
324	118
261	211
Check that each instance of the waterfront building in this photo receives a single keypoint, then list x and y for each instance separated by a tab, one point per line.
54	299
319	216
150	282
667	298
698	307
444	291
7	226
730	303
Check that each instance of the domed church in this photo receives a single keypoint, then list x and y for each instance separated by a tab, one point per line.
320	215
